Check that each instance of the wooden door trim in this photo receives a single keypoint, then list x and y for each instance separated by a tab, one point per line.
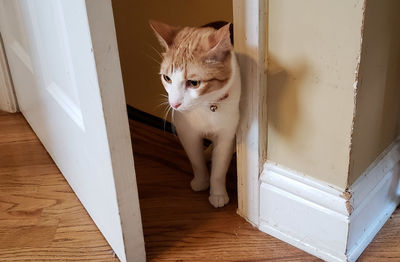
250	29
105	51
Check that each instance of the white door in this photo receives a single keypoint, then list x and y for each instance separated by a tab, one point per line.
64	63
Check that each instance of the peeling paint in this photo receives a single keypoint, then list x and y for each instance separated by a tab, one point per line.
347	196
349	207
355	96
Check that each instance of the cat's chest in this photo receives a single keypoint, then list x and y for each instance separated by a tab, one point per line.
209	120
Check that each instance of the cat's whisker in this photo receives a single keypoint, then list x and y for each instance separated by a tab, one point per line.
152	58
164	99
166	111
166	115
157	52
172	124
162	104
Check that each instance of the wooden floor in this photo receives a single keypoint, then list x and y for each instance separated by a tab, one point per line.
42	220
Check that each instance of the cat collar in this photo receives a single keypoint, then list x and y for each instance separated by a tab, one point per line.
214	107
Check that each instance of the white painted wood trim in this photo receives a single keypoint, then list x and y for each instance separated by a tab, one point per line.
250	18
374	197
8	101
381	166
303	212
105	49
319	193
330	223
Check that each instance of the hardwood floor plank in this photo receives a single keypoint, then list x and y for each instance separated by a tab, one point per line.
31	153
98	253
27	236
41	219
187	227
13	128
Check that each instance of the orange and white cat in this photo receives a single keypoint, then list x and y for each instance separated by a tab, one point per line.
200	73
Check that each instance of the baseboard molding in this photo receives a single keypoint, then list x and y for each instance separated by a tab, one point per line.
303	212
159	123
325	221
148	119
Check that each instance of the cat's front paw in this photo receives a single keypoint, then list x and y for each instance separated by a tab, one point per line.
200	184
218	200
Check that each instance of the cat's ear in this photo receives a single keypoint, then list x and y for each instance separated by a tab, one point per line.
220	44
165	33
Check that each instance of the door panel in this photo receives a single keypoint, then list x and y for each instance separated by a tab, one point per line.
55	56
64	62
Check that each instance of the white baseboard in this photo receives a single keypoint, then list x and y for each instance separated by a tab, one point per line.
327	222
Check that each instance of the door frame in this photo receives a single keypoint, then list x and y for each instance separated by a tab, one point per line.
106	55
250	31
8	101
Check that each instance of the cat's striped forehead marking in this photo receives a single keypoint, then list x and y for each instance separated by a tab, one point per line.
187	54
187	48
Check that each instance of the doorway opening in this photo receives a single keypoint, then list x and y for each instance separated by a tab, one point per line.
170	209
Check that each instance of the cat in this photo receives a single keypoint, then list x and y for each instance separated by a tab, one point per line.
201	75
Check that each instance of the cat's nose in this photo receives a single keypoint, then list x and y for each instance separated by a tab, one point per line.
176	105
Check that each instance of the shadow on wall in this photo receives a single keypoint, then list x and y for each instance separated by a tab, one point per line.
392	95
283	95
376	123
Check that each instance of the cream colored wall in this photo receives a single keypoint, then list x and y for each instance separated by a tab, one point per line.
313	47
136	42
378	96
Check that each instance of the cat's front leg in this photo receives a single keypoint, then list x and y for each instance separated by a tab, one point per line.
192	142
221	158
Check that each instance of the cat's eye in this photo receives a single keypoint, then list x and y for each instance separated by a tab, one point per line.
167	79
193	83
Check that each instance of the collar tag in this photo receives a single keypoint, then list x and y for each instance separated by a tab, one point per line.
213	108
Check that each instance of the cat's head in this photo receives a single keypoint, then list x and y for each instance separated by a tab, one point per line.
196	63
